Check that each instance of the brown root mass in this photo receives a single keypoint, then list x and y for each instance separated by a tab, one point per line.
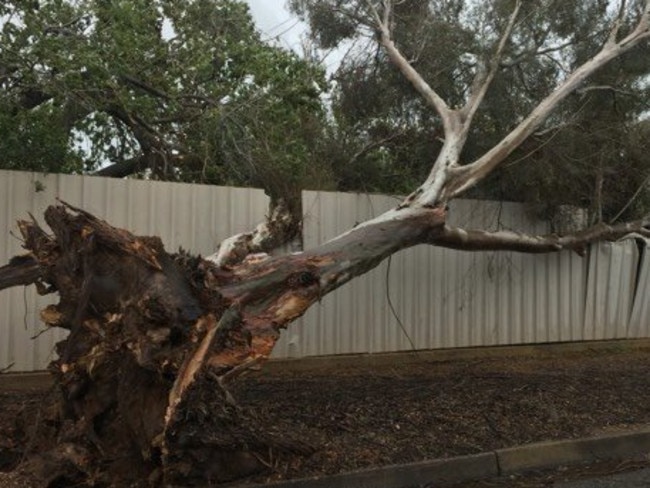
141	379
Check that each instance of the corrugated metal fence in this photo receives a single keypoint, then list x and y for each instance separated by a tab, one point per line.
443	298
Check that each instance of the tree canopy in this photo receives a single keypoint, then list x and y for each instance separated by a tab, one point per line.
184	91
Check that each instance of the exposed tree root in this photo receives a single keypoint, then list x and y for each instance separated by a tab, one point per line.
141	394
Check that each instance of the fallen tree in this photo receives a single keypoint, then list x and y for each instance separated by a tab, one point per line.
156	338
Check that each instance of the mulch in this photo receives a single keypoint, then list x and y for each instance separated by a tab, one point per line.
366	417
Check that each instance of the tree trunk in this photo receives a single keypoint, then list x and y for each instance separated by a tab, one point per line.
155	339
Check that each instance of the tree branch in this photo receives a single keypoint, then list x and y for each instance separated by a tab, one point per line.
372	145
482	80
125	168
398	59
21	271
280	227
131	80
613	34
479	240
535	52
638	191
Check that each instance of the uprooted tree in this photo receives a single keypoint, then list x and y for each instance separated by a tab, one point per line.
156	338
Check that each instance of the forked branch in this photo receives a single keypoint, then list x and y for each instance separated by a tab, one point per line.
613	34
483	79
464	177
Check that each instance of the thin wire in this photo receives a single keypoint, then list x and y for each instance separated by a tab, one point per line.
25	305
392	307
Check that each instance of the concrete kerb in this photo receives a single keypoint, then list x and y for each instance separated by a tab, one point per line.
486	465
548	454
446	470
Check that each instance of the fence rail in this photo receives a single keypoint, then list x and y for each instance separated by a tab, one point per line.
422	298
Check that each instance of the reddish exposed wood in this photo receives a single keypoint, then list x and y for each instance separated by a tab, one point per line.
151	334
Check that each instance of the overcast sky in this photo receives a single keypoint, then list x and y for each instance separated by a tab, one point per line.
273	20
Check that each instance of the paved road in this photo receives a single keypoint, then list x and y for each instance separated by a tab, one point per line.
632	479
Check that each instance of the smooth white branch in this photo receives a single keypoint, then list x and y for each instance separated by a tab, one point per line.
382	23
456	122
480	240
464	177
483	79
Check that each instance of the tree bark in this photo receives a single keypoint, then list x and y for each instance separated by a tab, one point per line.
21	270
155	338
138	319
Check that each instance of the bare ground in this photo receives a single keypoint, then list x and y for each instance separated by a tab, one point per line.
372	416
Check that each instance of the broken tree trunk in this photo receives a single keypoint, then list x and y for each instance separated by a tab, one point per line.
135	386
155	338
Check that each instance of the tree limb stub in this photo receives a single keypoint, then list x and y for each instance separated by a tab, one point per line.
281	227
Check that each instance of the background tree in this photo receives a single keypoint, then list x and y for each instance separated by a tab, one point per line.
181	91
155	339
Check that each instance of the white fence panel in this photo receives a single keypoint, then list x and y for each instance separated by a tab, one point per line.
640	321
610	289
